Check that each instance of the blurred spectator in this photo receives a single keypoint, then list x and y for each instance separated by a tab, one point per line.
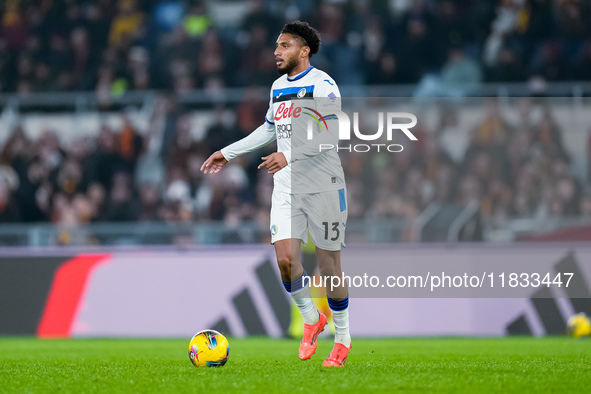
452	27
81	57
508	68
167	15
452	138
460	72
582	65
419	50
13	28
126	24
150	203
211	62
9	208
547	137
257	63
96	196
573	25
494	129
585	206
121	205
196	22
258	15
98	23
386	71
104	161
130	145
549	62
221	131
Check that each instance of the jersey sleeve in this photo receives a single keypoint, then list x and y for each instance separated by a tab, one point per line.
270	116
263	135
327	96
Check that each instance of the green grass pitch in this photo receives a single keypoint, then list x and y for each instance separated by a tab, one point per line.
268	365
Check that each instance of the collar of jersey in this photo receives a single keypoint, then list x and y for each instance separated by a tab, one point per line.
300	75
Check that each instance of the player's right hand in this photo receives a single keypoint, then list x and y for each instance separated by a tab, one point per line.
214	163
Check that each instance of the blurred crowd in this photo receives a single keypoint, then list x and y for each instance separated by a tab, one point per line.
129	175
112	46
507	169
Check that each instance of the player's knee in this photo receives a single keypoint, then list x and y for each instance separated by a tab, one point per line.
284	262
328	268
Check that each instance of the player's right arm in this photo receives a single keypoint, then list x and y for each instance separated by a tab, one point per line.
214	163
263	135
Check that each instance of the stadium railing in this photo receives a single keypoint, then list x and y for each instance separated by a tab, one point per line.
158	233
204	97
366	230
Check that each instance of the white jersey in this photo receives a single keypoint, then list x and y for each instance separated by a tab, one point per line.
309	170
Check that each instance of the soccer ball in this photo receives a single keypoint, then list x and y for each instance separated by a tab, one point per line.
209	348
578	325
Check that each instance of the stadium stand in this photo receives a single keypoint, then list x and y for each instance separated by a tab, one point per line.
141	165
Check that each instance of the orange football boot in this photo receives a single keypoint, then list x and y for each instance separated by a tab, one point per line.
311	332
338	356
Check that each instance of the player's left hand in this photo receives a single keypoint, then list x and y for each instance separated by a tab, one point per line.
274	162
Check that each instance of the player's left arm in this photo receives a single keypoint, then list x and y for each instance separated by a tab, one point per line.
274	162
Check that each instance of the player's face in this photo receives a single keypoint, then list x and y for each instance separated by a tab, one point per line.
288	53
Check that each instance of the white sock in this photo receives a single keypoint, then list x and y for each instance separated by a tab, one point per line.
303	299
341	326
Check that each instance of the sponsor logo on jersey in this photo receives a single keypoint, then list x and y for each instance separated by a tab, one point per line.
285	112
283	130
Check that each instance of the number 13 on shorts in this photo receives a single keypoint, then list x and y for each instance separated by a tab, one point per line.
327	218
323	214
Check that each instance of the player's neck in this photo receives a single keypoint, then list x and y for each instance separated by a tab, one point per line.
303	66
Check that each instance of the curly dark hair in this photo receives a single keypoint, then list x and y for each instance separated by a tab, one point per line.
306	33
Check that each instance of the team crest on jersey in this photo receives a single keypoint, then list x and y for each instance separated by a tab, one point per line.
274	229
301	93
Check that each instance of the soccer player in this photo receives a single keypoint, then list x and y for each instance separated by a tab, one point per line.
309	187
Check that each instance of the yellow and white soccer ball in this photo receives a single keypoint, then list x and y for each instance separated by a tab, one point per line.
578	326
209	348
